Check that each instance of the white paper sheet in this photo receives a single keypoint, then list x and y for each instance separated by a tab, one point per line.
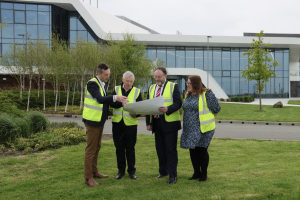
147	107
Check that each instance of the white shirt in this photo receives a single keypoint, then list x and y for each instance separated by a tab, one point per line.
162	86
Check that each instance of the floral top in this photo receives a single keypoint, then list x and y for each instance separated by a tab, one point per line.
191	136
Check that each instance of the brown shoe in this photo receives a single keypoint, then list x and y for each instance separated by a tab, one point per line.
98	175
91	183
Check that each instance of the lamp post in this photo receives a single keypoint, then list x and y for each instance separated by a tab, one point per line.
207	86
23	72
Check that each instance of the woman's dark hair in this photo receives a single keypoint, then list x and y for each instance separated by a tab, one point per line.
196	85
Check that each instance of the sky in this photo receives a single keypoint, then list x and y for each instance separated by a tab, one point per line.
210	17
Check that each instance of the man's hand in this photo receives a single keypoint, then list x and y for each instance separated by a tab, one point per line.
163	109
149	128
124	102
120	98
132	115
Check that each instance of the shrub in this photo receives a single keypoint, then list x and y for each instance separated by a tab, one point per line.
8	128
233	99
37	121
23	127
221	99
228	100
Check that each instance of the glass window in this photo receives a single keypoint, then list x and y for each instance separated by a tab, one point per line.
286	73
43	18
56	20
225	73
31	17
43	8
82	35
235	59
279	74
171	57
19	17
8	31
7	5
226	85
217	63
80	25
190	58
252	87
180	59
44	31
286	86
32	31
20	30
219	81
31	7
5	48
7	15
279	58
19	6
205	59
279	87
286	61
94	3
73	36
235	73
235	86
225	60
243	59
162	54
199	58
217	73
73	23
272	87
151	52
91	38
8	41
243	87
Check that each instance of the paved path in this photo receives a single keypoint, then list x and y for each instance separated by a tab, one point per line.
223	130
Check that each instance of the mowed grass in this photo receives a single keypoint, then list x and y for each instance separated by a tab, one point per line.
231	111
295	102
238	169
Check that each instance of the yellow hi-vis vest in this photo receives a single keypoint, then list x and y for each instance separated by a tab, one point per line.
119	113
206	117
168	100
92	110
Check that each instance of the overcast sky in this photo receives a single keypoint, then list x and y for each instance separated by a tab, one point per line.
210	17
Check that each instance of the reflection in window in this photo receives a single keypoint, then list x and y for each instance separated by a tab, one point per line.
19	17
7	5
43	8
279	58
216	59
180	59
171	57
31	7
226	85
286	61
162	53
5	48
151	53
225	60
225	73
190	58
205	59
80	24
217	73
31	17
20	29
235	86
43	18
199	58
44	31
8	31
243	60
7	15
19	6
32	31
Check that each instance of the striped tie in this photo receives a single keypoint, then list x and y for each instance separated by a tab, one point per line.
157	95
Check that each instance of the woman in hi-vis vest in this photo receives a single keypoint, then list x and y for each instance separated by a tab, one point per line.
200	108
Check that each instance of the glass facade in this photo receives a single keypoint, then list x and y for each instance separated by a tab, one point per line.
225	65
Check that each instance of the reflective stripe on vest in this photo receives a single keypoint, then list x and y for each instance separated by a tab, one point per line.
168	100
206	117
119	113
92	110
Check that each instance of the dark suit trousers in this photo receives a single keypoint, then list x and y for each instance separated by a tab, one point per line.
166	148
125	139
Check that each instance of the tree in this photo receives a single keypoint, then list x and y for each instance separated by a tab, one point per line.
259	64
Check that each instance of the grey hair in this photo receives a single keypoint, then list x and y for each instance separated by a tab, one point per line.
128	74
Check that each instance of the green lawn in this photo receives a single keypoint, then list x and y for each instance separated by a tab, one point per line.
230	111
238	169
295	102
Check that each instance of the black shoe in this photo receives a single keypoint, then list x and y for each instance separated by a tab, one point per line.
172	180
132	176
194	177
120	175
161	175
203	178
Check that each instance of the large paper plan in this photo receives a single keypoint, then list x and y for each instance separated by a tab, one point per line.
147	107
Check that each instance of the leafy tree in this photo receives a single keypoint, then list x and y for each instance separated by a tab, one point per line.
259	64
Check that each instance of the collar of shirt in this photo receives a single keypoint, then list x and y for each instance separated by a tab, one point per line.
102	84
162	86
125	89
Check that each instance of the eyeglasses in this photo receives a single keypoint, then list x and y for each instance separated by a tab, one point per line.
188	83
157	77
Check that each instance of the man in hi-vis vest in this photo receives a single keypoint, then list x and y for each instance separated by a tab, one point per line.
124	126
94	115
165	126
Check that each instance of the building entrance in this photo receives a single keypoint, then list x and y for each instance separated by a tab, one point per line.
295	88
